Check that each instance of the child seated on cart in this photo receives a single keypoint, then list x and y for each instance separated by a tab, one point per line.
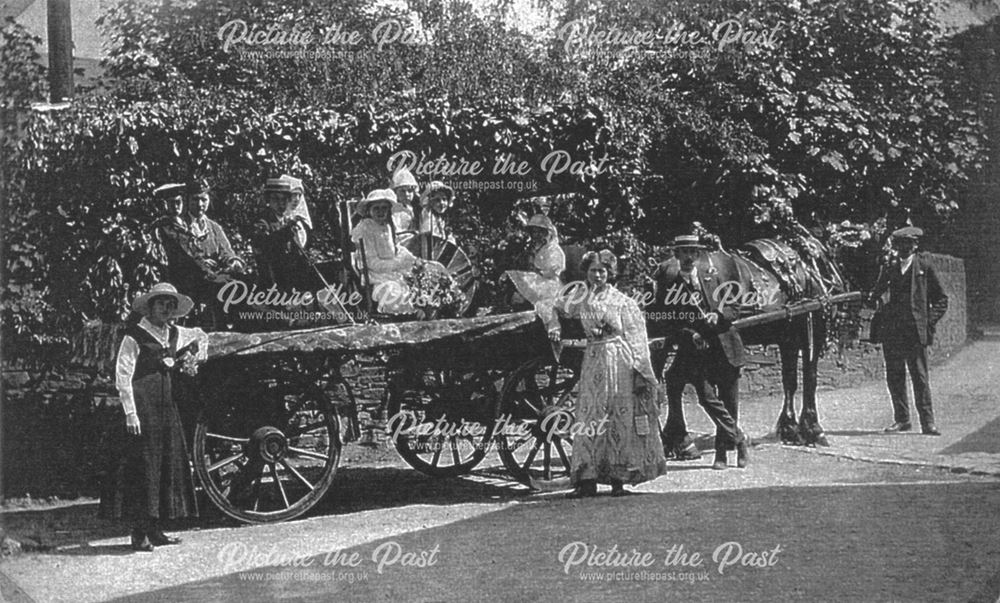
548	263
384	260
435	202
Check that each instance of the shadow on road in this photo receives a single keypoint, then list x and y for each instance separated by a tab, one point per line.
982	440
354	489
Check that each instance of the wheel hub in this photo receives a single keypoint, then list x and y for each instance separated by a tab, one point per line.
268	444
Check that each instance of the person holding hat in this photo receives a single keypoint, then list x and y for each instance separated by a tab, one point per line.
280	235
151	480
617	401
709	355
905	326
406	214
434	202
548	261
381	255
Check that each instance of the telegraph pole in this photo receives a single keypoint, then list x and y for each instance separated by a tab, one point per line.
60	51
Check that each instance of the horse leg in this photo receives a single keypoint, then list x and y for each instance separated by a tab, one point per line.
787	428
811	431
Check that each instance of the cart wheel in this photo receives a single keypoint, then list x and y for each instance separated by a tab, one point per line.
267	451
535	414
441	422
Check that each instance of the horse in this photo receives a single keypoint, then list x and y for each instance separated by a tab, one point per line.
765	275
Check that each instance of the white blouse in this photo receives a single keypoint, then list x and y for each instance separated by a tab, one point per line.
128	353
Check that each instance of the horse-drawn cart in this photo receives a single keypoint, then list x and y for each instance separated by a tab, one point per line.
268	440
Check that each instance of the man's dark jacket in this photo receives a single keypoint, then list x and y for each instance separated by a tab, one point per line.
721	334
928	301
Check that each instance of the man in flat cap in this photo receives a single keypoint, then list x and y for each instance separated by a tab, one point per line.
709	354
905	326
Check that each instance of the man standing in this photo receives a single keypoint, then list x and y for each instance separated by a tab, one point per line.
905	326
709	356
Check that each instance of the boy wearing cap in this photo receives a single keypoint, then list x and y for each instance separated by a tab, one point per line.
905	327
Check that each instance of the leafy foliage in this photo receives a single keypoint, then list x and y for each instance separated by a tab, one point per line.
858	111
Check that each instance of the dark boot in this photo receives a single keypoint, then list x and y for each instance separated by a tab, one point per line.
688	453
140	541
585	488
743	453
618	488
158	538
720	459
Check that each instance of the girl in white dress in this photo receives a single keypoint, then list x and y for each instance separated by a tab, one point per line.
384	259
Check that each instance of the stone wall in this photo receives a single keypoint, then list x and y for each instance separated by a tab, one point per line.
861	361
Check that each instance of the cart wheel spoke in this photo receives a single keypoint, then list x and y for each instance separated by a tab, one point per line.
547	460
256	494
562	453
298	431
216	436
281	487
217	465
297	475
437	451
308	453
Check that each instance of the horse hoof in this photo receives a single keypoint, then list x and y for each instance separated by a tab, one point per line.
822	441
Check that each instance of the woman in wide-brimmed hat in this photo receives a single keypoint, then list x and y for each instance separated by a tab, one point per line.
151	479
384	258
548	262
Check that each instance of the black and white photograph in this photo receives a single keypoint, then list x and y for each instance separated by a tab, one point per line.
500	300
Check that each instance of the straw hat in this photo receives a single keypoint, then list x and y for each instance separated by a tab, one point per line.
687	241
184	303
278	185
378	195
169	191
908	232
